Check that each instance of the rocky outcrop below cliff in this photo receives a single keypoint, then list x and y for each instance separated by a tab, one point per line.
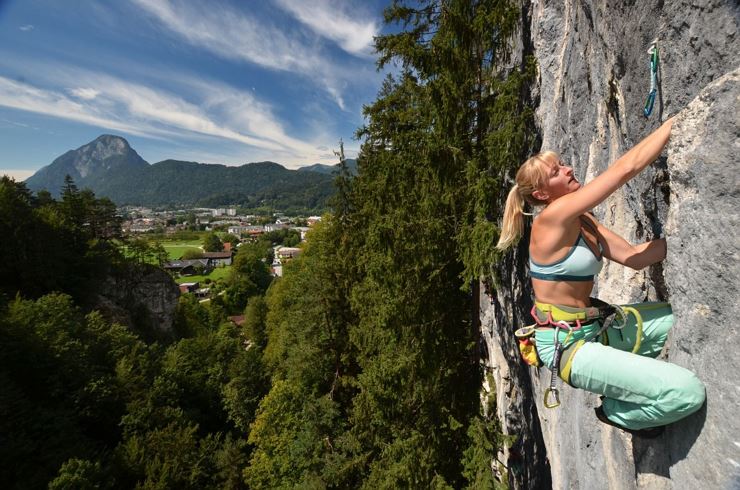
593	80
142	297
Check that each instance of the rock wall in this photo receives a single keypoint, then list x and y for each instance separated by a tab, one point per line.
593	80
142	297
701	272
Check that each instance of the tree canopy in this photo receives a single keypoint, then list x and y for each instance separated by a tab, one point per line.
359	368
388	391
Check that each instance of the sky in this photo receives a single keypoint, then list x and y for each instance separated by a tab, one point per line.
227	82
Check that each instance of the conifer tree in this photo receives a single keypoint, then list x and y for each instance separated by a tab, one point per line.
410	234
429	158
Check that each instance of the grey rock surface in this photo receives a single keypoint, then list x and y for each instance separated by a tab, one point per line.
701	271
593	80
143	298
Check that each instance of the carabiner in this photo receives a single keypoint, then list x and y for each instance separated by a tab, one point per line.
648	109
556	396
654	60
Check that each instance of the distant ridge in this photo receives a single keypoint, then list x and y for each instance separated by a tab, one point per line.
111	168
329	169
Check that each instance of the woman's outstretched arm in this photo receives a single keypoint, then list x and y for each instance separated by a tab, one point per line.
626	167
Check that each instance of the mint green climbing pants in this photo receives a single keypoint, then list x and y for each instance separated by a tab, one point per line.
639	390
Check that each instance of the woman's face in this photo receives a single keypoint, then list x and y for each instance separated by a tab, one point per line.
561	181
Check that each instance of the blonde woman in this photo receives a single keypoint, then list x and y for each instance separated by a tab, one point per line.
605	349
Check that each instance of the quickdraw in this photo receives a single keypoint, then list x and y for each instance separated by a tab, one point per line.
552	389
654	59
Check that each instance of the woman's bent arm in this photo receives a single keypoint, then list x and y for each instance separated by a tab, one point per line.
635	257
647	253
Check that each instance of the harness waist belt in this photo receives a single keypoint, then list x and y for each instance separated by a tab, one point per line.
544	312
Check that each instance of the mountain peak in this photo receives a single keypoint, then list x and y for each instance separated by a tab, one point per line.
92	155
88	163
111	140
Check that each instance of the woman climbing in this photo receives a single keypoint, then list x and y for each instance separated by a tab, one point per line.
605	349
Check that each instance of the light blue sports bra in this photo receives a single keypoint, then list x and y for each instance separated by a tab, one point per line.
579	265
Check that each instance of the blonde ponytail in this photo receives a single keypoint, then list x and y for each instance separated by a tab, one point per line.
512	227
532	175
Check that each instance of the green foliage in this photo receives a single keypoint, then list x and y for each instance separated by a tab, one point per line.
478	457
300	434
61	395
247	384
191	317
172	456
145	251
86	404
52	245
255	318
309	318
212	243
293	436
486	440
186	430
217	310
250	276
507	142
230	238
286	237
194	237
81	474
391	347
192	253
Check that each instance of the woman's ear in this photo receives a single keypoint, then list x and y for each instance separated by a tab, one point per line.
540	195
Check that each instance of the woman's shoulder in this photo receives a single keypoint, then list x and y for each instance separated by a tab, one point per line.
550	217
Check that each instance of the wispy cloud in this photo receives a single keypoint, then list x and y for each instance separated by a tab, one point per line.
235	35
19	95
17	124
84	93
211	110
26	28
328	19
231	34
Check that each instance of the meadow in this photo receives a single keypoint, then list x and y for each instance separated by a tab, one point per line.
176	249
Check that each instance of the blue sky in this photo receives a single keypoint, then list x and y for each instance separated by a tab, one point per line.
207	81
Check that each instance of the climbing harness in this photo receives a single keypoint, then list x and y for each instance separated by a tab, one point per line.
653	52
571	319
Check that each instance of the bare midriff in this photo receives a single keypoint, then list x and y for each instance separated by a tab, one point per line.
566	293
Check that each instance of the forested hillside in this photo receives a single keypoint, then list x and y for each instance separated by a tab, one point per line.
359	368
176	183
88	403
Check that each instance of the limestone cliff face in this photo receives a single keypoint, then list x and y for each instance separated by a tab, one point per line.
143	297
593	80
